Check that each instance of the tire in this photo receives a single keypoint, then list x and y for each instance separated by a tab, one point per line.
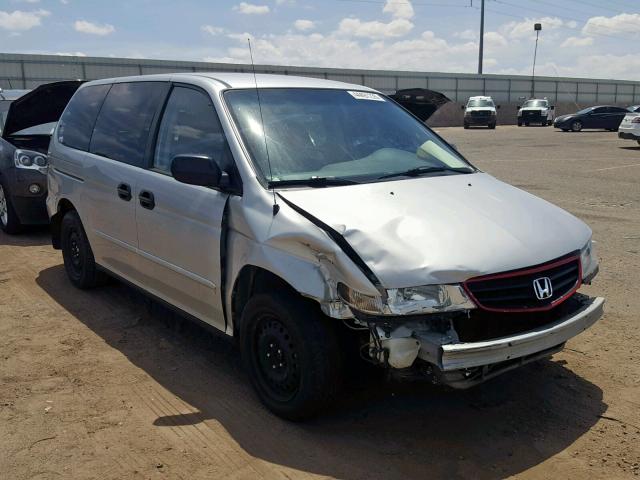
466	126
79	261
492	126
288	331
549	123
576	126
9	221
519	124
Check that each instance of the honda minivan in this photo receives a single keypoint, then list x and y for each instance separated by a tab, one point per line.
317	223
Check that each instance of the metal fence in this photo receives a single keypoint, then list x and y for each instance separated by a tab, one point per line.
28	71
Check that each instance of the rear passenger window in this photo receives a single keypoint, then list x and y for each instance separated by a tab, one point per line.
76	123
190	125
122	128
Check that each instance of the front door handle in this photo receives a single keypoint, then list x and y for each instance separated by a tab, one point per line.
147	200
124	192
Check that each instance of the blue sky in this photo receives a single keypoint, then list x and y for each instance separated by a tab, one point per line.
587	38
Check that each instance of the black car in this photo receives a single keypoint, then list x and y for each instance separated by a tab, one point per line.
606	117
27	127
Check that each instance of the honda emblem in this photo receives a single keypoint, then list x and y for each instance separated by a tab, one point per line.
542	287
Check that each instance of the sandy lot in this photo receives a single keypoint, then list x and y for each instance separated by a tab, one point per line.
104	384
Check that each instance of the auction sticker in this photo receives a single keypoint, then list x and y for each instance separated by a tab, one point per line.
366	96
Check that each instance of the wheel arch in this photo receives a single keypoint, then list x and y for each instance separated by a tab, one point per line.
252	280
64	206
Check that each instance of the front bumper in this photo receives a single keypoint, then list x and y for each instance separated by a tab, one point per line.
30	208
628	135
468	355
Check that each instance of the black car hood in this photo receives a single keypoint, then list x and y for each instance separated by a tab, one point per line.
421	102
43	104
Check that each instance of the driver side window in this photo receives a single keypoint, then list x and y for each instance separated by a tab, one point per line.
190	126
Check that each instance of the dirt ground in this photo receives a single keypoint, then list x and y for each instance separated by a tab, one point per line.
101	384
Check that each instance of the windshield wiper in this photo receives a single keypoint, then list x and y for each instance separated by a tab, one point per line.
416	172
315	182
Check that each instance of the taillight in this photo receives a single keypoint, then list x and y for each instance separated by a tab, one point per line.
636	119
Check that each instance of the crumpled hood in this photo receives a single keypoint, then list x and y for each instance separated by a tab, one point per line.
443	229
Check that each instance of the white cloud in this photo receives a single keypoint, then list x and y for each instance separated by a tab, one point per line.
93	28
467	35
20	21
623	23
357	28
494	40
211	30
251	9
71	54
577	42
399	8
304	25
525	28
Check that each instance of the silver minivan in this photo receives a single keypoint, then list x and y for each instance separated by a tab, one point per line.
318	223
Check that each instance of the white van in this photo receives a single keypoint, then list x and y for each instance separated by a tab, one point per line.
311	220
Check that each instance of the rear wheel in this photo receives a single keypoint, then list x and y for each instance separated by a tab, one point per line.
549	122
492	126
576	126
9	222
466	125
77	254
291	355
519	124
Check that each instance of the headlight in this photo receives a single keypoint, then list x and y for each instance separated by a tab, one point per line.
588	260
31	160
409	301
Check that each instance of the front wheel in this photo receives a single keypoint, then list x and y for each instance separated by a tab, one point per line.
291	355
9	222
77	254
576	126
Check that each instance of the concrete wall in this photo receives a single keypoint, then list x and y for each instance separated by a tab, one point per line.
569	94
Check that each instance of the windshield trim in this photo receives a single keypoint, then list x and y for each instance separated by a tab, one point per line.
266	182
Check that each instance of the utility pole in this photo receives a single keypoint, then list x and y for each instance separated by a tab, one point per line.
537	27
481	38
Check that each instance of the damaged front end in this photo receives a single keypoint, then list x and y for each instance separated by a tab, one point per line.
462	335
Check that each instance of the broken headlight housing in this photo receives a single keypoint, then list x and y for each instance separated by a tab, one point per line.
408	301
31	160
588	261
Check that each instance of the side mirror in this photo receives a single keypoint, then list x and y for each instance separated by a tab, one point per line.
497	107
553	107
462	107
519	107
198	170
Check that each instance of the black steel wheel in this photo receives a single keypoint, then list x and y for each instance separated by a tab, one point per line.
290	351
79	262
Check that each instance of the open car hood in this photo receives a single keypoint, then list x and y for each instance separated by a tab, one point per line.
421	102
43	104
445	229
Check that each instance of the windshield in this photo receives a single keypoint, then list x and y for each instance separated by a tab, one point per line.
339	134
535	103
480	103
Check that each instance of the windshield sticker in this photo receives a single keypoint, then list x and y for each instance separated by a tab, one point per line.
366	96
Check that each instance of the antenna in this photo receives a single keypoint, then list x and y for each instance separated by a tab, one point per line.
276	207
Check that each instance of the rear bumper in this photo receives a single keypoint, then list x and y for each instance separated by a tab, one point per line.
628	135
462	365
